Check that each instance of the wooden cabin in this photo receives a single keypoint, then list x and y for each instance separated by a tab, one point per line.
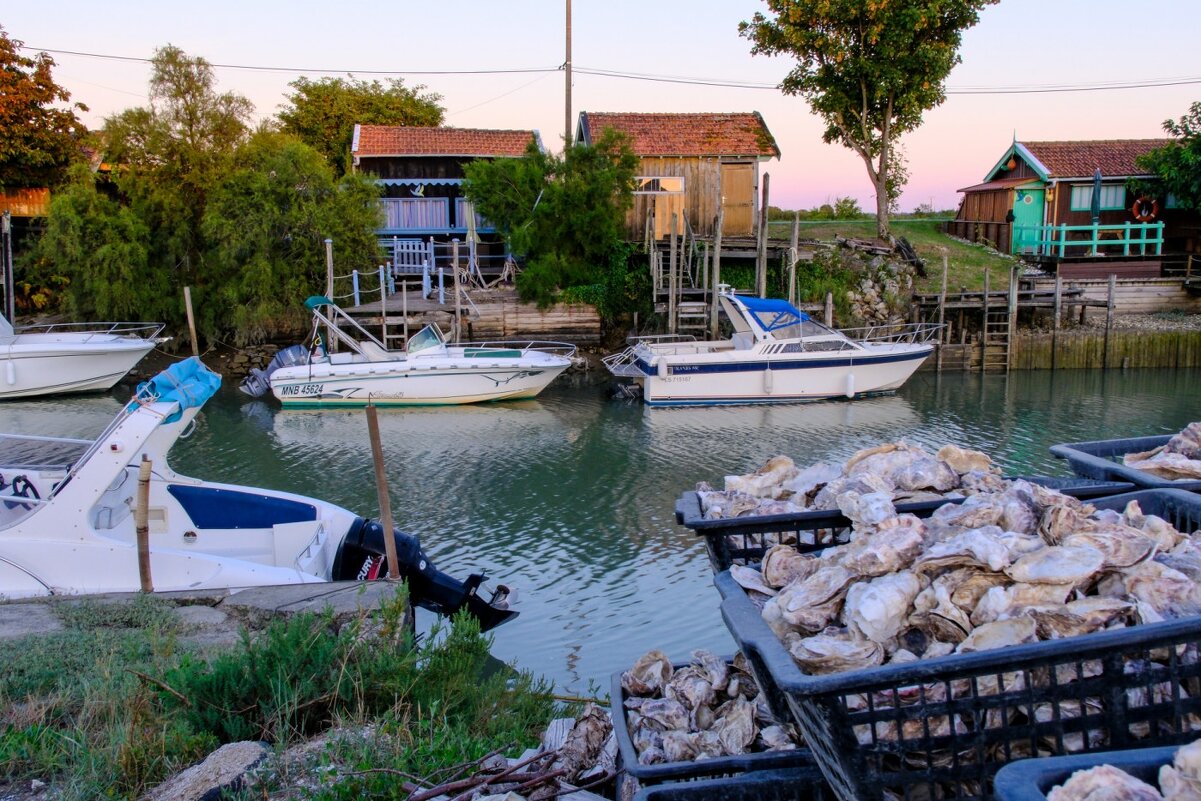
1037	202
421	173
691	165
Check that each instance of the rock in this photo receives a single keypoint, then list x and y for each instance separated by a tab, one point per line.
224	769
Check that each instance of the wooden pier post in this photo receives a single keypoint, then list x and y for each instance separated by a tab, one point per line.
187	306
141	521
942	311
716	299
1013	317
672	285
381	489
828	312
984	323
1108	319
792	256
761	260
1055	320
454	264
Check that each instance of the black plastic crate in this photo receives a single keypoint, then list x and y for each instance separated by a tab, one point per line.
1032	779
952	734
740	540
804	784
698	769
1101	459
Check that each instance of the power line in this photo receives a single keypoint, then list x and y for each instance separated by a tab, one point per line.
1149	83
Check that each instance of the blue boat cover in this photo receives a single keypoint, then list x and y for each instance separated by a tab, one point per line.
189	383
313	301
772	314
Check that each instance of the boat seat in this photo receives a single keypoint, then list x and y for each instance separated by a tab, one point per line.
743	340
374	352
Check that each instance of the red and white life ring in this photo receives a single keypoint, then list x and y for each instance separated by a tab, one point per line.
1145	209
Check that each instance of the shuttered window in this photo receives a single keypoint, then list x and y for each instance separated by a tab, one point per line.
1112	197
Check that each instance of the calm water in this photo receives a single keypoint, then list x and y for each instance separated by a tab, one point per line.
570	497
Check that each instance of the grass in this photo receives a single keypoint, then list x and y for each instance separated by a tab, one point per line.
112	704
966	262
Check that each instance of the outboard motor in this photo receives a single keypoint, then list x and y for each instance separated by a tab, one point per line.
361	556
257	382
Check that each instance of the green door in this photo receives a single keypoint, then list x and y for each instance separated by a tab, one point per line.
1027	220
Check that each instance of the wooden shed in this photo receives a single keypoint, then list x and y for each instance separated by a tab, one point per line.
691	165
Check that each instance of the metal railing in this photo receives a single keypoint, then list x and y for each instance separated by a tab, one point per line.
901	333
95	329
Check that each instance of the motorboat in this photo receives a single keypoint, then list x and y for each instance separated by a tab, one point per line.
428	371
67	518
55	358
775	353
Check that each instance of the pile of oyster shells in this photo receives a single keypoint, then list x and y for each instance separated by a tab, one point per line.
907	473
1012	565
1179	781
708	709
1177	460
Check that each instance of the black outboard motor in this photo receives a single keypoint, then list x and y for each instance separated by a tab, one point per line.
360	557
257	382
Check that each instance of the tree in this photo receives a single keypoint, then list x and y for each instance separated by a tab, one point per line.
563	215
868	69
38	141
265	224
323	113
1178	164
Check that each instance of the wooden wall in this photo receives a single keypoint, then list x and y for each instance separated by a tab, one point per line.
1087	349
990	206
702	196
1141	296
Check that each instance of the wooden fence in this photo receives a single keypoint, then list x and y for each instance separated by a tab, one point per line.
1087	349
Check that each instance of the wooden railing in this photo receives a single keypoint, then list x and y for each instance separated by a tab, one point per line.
987	232
1126	239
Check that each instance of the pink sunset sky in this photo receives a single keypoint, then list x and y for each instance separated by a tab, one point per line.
1024	44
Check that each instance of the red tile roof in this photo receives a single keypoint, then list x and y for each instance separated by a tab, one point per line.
403	140
739	134
1001	183
1115	157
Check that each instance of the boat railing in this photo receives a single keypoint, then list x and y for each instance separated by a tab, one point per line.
564	349
33	452
623	363
133	330
659	339
898	333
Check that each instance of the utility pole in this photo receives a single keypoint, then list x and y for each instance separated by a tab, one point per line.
567	78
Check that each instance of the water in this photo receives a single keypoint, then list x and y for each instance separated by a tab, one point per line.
570	497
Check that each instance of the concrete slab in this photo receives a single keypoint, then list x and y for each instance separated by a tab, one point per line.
345	598
21	620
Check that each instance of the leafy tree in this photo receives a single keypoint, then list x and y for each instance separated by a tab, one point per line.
323	113
564	215
1178	165
38	141
265	224
869	69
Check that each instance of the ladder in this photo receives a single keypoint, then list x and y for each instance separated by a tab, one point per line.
998	317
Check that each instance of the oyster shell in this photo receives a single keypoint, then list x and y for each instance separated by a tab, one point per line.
735	726
783	564
766	481
1000	634
976	547
937	617
665	714
648	675
1103	783
1000	603
1057	564
893	547
1122	546
691	687
810	604
1181	780
866	509
751	579
878	609
962	460
835	650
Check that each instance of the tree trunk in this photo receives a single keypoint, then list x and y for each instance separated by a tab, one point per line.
882	206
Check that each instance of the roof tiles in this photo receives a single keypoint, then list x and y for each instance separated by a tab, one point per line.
402	140
736	134
1079	159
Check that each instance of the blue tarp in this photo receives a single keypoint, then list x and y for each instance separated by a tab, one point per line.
773	314
189	383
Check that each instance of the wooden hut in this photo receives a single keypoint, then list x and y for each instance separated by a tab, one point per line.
1037	202
691	165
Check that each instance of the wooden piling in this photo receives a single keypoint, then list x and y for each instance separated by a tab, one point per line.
828	312
984	323
672	286
721	218
381	489
761	259
454	249
942	310
187	305
141	519
1108	319
794	250
1055	320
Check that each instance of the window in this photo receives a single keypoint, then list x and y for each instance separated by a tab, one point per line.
658	185
1171	202
1112	197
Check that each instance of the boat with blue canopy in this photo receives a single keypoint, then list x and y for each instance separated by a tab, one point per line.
775	353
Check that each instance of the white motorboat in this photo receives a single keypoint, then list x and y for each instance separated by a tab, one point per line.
70	357
429	371
67	518
775	354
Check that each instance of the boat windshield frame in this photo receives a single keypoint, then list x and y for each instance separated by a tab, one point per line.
428	338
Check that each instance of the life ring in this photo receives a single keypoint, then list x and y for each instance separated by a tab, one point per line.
1145	209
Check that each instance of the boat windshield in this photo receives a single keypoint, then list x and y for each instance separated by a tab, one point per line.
425	339
805	329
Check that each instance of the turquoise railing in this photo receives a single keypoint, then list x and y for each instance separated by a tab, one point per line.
1139	239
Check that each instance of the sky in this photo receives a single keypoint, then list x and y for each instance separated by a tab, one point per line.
1020	44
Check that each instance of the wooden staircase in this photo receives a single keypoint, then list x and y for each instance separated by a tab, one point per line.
997	329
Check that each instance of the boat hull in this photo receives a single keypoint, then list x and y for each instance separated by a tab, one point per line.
59	366
681	381
385	385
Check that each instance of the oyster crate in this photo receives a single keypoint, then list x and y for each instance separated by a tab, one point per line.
1032	779
1101	459
798	784
740	540
648	775
941	728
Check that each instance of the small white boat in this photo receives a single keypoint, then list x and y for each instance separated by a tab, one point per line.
67	518
427	372
775	354
70	357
